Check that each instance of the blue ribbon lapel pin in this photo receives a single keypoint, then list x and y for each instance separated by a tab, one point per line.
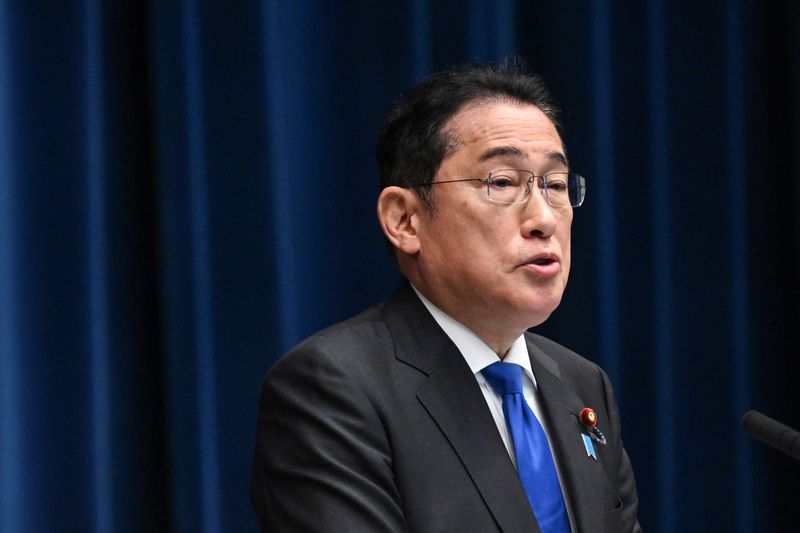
588	418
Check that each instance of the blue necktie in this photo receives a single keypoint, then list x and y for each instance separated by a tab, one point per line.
535	465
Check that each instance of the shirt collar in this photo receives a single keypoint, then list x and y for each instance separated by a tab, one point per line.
477	353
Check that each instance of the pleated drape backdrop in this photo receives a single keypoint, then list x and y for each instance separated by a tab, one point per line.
187	189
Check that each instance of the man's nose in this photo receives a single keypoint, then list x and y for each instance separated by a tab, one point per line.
539	217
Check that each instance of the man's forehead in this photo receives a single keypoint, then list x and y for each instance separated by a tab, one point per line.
500	125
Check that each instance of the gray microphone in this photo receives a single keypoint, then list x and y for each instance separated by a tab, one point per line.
772	432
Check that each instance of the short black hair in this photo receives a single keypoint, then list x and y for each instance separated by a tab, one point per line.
413	143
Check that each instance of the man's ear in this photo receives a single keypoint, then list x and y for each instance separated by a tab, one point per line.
399	211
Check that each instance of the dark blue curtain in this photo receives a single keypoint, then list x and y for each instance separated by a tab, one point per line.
187	189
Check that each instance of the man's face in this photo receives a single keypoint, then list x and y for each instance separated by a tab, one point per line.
499	269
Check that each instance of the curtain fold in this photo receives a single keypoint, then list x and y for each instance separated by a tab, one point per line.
187	190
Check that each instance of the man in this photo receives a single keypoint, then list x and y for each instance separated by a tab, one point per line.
397	419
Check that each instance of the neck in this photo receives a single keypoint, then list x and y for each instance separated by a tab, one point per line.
499	342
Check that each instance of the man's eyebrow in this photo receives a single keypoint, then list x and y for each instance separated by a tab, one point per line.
499	151
558	156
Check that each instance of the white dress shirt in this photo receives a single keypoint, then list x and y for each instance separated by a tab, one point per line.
478	356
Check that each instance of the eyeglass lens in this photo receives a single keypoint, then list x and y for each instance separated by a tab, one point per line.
560	189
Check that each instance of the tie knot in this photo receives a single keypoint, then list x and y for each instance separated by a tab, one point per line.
505	378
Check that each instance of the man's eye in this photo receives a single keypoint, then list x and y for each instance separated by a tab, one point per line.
502	182
557	185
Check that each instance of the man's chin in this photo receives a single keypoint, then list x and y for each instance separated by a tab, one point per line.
539	313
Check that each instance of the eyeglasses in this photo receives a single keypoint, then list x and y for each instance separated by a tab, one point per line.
510	186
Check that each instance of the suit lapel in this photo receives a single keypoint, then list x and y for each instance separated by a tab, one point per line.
453	399
585	478
460	411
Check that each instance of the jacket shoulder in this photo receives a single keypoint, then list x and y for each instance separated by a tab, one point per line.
362	336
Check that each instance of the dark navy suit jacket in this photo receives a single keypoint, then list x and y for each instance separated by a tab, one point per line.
377	424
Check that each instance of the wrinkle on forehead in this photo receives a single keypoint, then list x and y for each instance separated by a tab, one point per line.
470	125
